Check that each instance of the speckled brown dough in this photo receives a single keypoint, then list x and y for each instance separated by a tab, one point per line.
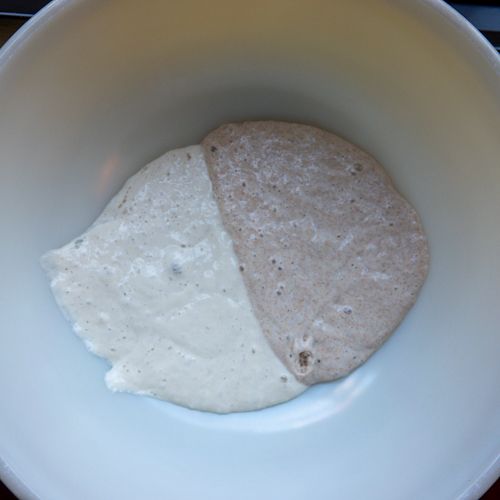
332	256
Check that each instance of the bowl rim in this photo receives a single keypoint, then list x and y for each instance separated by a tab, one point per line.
441	10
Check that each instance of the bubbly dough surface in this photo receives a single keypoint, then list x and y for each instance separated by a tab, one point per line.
331	254
154	287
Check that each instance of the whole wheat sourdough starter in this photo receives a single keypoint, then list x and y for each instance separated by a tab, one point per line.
230	276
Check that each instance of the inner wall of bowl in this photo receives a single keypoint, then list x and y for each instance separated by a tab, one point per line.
88	101
115	96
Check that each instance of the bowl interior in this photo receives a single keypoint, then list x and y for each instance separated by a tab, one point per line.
91	91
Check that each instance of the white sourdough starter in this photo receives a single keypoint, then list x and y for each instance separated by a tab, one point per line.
154	287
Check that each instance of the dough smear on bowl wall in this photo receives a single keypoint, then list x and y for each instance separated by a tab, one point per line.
292	271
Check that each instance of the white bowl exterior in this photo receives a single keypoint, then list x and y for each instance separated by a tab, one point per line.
90	91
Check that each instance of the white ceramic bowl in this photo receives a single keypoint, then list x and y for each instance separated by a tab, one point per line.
92	90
